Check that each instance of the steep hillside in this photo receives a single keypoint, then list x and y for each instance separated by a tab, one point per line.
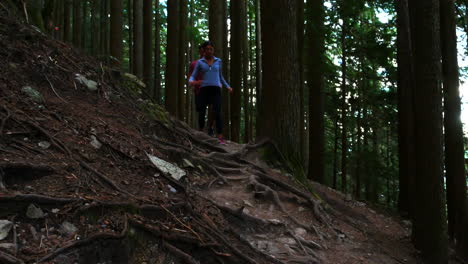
82	181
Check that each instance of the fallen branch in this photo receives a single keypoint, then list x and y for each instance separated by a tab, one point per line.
104	178
6	258
179	253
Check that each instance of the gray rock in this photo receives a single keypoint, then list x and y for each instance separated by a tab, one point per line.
44	144
5	227
68	228
34	212
95	142
90	84
35	95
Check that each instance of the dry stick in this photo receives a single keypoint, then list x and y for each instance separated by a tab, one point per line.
186	257
87	241
183	224
2	125
6	258
55	92
35	198
104	178
25	11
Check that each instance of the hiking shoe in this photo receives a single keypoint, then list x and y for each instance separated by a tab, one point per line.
221	141
211	132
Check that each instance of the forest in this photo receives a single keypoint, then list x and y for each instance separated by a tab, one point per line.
341	111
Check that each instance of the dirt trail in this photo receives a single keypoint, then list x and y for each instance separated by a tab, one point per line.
77	186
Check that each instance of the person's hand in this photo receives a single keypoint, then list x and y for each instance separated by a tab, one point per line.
230	90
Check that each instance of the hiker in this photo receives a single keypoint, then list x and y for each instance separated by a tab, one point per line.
212	80
196	89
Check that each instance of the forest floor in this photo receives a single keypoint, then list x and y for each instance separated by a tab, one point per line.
78	183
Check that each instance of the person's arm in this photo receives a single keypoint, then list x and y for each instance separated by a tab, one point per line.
194	74
223	81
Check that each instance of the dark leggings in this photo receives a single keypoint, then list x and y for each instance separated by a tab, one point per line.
210	95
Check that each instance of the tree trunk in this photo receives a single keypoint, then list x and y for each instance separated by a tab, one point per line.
344	106
315	82
172	56
429	218
130	36
245	67
138	37
66	21
116	30
182	63
148	45
258	60
226	70
156	95
84	28
454	151
300	49
95	27
335	153
237	8
405	108
77	23
279	111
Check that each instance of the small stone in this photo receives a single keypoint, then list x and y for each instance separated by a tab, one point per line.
44	144
55	210
301	209
300	232
275	221
125	182
68	228
28	188
95	142
172	189
34	212
35	95
8	246
248	203
5	227
187	163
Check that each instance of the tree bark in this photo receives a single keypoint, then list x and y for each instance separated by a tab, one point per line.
405	108
66	21
278	109
429	217
138	37
116	30
315	81
172	57
344	106
226	71
182	63
77	23
236	66
245	67
148	45
156	95
258	60
454	151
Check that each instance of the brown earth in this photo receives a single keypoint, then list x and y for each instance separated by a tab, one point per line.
230	208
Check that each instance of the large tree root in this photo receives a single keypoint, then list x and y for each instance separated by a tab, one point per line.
6	258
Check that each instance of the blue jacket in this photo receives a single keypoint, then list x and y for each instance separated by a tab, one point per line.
212	75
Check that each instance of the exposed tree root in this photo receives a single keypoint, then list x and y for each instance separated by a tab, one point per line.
178	252
6	258
87	241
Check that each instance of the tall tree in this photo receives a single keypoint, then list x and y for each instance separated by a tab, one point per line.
300	49
429	215
315	81
405	111
148	44
182	60
245	67
454	151
138	37
77	23
95	27
130	35
226	70
116	30
66	21
279	112
172	56
236	66
344	104
156	94
258	53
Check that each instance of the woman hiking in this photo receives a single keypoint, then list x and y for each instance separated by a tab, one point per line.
210	93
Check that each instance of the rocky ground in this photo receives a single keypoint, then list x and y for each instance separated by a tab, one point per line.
90	173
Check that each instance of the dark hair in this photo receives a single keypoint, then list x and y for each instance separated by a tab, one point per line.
200	47
207	43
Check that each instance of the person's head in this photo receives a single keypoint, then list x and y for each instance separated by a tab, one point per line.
208	48
200	51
